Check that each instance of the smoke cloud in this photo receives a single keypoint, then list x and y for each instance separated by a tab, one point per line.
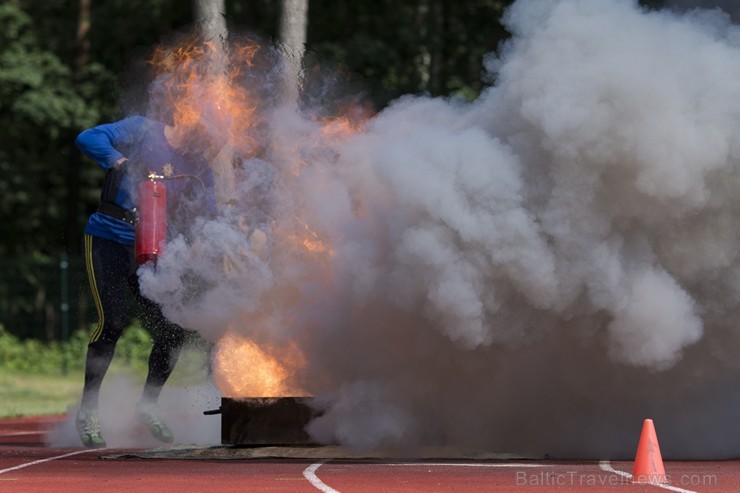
181	404
533	272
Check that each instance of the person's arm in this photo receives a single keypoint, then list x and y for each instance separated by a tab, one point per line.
102	143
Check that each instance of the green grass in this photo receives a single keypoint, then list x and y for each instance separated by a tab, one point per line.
46	378
43	394
35	395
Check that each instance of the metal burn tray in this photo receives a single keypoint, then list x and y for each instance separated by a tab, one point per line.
265	420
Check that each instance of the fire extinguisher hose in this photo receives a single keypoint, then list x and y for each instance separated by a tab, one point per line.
179	177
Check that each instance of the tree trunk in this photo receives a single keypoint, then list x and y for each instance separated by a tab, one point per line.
209	16
82	39
293	27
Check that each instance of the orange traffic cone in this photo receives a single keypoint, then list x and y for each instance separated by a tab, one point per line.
648	461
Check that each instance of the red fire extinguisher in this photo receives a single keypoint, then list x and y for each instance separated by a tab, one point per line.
151	228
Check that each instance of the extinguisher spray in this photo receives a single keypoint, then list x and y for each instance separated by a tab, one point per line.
151	228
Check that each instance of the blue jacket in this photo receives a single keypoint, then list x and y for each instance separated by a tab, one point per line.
143	141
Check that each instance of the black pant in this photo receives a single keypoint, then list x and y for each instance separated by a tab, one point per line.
111	270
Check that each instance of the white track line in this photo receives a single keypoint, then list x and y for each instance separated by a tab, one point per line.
466	464
48	459
310	474
605	465
17	433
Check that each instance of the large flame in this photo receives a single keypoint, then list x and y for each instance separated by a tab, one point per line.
204	87
244	369
201	90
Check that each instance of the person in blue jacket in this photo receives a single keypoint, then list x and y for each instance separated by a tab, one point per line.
129	150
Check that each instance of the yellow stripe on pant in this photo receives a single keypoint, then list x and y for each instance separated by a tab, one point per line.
94	288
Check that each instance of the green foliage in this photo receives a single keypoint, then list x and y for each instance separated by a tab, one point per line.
34	287
46	377
31	356
36	87
34	357
43	103
435	47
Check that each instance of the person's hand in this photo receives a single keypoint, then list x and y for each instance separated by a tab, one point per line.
132	168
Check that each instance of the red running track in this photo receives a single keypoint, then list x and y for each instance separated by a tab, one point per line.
28	465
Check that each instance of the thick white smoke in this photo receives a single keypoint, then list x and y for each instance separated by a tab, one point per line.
536	271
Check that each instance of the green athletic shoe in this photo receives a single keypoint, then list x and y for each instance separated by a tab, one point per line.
149	418
88	426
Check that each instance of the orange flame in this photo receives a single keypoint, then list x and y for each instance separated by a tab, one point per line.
243	369
341	126
351	120
310	240
199	81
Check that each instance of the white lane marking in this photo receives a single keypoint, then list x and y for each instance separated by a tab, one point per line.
310	474
605	465
17	433
466	464
48	459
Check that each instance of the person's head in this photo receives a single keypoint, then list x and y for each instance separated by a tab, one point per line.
197	139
